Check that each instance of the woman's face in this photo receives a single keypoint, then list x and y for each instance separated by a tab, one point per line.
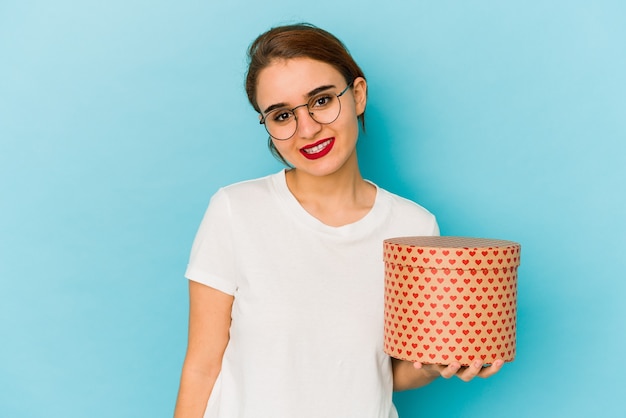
316	148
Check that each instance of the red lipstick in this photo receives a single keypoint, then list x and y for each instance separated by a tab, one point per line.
318	149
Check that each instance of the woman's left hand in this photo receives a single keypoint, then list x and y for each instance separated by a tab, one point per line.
465	373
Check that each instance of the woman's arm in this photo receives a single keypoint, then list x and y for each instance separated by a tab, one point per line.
407	375
209	323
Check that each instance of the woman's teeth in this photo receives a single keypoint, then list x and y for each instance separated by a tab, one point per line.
317	148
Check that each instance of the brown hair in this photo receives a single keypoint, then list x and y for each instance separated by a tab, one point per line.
302	40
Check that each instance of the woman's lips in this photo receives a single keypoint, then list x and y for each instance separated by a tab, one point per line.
318	149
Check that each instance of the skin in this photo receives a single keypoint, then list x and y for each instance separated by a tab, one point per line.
407	375
331	189
209	322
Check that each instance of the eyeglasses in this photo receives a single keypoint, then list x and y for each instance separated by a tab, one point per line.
323	108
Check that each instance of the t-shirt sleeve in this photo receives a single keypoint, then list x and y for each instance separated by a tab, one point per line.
435	227
212	259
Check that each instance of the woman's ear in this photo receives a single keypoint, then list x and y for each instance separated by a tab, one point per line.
359	89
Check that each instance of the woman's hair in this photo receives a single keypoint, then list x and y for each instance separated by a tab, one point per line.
301	40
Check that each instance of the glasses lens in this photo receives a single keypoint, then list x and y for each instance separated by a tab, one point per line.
325	108
281	124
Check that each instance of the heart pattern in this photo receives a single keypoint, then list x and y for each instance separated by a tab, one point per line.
450	299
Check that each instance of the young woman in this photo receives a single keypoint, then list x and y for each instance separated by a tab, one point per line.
286	273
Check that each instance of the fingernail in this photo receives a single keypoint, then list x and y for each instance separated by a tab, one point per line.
477	364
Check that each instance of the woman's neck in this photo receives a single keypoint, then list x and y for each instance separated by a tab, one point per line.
337	199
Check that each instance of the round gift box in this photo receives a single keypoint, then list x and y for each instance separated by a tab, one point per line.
450	299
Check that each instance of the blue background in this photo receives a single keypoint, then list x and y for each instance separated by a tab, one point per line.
119	119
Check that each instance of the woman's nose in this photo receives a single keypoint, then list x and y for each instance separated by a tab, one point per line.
307	126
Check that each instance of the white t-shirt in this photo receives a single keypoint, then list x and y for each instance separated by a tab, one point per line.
306	338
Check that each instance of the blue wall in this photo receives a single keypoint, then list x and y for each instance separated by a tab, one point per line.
119	119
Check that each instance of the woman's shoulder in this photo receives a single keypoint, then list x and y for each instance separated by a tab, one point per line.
402	204
248	195
243	196
407	216
249	188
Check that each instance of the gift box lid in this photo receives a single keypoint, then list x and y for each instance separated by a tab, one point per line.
450	252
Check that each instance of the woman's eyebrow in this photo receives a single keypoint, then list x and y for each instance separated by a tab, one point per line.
310	94
273	107
320	89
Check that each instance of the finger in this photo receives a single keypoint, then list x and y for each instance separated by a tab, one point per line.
468	373
491	370
451	370
432	370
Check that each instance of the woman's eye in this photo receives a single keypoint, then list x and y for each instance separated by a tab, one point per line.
282	116
322	101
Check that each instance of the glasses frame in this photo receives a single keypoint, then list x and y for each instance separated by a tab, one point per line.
293	111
